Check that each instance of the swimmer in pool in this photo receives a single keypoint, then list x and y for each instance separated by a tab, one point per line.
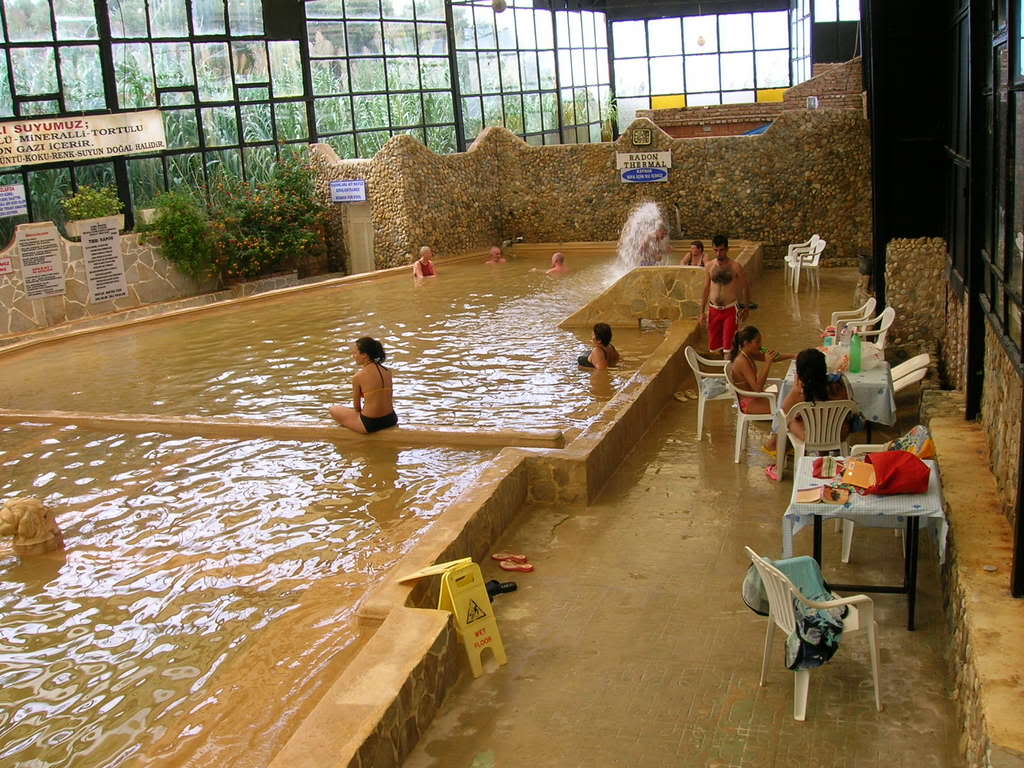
557	264
373	409
495	256
424	265
603	354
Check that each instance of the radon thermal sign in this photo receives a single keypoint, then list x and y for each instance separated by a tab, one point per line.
640	167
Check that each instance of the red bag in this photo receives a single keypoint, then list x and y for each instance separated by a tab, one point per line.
898	472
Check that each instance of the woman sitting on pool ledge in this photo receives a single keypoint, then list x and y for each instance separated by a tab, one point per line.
371	391
603	354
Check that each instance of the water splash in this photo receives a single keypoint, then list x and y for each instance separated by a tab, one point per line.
638	243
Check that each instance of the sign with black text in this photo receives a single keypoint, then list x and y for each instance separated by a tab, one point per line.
67	139
42	268
104	267
12	200
637	167
348	191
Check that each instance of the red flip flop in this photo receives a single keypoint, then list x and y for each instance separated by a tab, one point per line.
509	556
512	565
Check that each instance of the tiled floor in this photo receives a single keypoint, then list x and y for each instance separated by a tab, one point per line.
629	645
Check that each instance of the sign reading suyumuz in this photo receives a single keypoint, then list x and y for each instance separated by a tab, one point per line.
104	267
67	139
12	200
41	265
643	166
348	191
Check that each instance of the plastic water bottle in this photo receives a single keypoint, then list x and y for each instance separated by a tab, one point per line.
844	336
855	353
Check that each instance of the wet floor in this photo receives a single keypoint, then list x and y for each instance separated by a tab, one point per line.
629	644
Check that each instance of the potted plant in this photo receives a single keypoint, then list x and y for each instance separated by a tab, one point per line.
180	223
91	203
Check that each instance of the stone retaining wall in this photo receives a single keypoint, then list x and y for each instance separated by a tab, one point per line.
953	340
1000	415
913	270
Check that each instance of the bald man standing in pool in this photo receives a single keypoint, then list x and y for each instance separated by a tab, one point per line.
726	296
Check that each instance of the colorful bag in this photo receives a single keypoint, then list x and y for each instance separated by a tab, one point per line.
917	441
898	472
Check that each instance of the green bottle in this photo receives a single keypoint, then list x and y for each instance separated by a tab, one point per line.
855	353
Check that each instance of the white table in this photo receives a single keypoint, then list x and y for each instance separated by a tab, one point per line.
905	509
872	390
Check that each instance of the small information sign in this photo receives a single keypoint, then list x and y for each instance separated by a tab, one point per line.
104	267
41	265
12	200
637	167
348	191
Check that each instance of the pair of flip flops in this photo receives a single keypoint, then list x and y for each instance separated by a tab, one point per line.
511	562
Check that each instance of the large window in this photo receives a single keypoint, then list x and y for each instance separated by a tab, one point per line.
699	60
582	40
800	40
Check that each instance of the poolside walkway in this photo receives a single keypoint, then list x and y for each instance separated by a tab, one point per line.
629	645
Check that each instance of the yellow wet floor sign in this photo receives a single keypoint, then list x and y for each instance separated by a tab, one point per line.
464	593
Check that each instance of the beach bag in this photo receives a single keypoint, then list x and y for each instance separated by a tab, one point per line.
898	472
917	441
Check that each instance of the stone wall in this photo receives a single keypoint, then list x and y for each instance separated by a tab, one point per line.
953	341
150	278
1000	415
810	172
913	270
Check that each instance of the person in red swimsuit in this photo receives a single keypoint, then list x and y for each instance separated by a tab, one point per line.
424	265
726	296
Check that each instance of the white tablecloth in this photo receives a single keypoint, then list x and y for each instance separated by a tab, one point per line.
868	510
871	389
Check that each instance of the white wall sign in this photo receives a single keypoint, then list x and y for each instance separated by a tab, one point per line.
636	167
12	200
348	191
7	266
41	265
104	267
63	139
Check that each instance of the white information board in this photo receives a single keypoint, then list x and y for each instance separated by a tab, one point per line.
42	267
104	267
12	200
348	191
639	167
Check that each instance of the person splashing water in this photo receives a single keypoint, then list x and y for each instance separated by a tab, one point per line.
644	240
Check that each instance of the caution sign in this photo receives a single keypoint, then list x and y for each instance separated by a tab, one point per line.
464	594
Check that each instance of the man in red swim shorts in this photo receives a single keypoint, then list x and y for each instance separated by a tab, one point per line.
726	296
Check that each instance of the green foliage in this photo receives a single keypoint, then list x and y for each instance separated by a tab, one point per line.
92	203
183	229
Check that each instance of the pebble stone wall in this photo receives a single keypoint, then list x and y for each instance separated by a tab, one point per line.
914	268
810	172
1000	415
954	340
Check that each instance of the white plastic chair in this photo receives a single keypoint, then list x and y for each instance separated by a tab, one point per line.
781	593
809	262
702	376
910	379
862	312
875	329
823	429
794	252
743	419
914	364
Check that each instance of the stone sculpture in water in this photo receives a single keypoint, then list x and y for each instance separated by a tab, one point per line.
31	524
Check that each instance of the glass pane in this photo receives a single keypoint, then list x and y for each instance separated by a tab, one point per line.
590	58
737	71
430	9
181	127
433	38
772	69
290	117
472	117
364	38
602	66
546	63
250	93
531	110
492	111
208	17
167	18
219	126
369	144
259	163
462	18
333	115
76	19
256	123
41	107
849	10
736	32
285	68
510	72
514	113
825	10
250	60
562	29
405	109
600	30
771	30
506	30
631	77
544	25
399	37
145	180
549	111
435	73
213	71
1016	267
739	97
185	171
35	71
630	38
6	100
98	175
575	30
565	76
667	74
701	74
133	70
528	66
579	74
702	99
489	78
127	18
226	163
396	9
700	34
173	64
326	38
345	145
329	76
47	189
82	78
469	81
486	37
403	74
665	37
524	28
438	108
587	18
362	9
442	139
367	75
245	17
370	111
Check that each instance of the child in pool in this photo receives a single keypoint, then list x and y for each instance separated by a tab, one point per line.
603	354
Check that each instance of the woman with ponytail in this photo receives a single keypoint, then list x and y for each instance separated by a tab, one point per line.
372	407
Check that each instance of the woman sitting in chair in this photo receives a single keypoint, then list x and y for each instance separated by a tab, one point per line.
746	351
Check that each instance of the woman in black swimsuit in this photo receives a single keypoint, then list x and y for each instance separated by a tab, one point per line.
373	409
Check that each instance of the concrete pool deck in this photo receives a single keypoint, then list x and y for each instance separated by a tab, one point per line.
629	644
